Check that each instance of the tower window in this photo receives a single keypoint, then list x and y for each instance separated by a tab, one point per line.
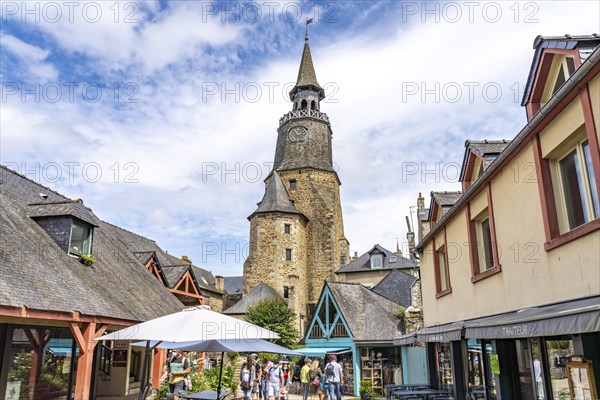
286	292
312	105
303	105
293	184
288	254
287	228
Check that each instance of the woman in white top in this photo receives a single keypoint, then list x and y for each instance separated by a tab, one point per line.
246	380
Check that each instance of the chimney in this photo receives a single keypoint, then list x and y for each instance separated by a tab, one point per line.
420	203
398	251
355	256
220	283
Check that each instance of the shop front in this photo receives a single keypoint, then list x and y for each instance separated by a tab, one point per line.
542	353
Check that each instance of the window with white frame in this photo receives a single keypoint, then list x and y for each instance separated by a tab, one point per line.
484	241
442	272
376	261
81	238
576	187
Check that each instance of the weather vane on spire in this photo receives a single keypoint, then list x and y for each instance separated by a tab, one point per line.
308	21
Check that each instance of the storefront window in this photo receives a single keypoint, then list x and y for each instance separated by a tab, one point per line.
558	350
39	363
483	369
444	366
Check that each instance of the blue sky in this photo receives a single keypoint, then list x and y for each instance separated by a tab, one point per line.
162	116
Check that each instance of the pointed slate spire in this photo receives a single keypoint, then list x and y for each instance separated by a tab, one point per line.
276	198
307	78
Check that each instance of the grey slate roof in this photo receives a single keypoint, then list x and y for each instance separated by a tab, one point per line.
36	273
363	263
173	268
306	73
584	43
489	150
233	284
445	200
370	316
397	287
276	198
262	291
60	208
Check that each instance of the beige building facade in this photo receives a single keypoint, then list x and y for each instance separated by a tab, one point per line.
510	272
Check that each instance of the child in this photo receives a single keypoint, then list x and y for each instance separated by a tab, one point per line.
283	394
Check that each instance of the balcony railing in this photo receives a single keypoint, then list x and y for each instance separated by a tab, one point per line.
303	114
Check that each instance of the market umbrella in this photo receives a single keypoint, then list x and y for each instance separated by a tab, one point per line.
191	324
224	346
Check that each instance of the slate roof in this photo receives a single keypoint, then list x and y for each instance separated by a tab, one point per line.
445	200
370	316
233	284
173	268
307	78
262	291
276	198
60	208
585	44
489	150
36	273
397	287
363	263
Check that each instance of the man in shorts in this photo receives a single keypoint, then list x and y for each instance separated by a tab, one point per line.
275	380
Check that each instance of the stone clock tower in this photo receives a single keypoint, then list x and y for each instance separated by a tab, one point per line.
297	233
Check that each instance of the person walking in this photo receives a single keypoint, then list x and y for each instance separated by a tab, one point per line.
335	377
179	368
275	378
246	379
264	371
304	378
255	374
315	376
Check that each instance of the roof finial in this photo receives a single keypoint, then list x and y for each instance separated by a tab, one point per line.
308	21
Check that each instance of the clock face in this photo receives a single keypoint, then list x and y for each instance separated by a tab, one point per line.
297	134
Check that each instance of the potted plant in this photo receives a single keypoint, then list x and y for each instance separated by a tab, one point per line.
87	260
366	390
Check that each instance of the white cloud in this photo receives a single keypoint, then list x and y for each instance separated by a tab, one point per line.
172	135
32	56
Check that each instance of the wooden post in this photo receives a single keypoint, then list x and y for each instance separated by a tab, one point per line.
160	356
85	368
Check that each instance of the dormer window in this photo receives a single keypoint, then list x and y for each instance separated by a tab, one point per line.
81	238
562	68
376	261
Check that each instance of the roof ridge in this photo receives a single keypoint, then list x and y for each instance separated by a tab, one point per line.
133	233
31	180
487	141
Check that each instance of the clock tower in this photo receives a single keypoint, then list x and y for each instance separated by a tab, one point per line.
297	233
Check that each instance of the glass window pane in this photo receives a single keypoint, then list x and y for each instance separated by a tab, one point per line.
377	261
558	351
560	79
591	178
80	242
570	65
573	190
442	271
444	366
487	244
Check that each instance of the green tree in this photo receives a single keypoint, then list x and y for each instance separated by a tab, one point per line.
275	315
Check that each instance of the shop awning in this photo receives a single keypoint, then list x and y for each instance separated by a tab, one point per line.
406	339
441	333
570	317
321	351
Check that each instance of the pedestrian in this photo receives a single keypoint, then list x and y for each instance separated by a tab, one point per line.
246	379
264	371
335	376
539	381
286	373
315	376
275	380
256	376
304	378
179	368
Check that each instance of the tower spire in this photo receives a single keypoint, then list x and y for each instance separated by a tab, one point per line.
307	78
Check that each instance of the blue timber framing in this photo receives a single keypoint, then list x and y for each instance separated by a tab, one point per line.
333	316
